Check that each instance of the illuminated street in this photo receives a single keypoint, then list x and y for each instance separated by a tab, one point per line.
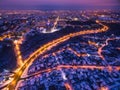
62	50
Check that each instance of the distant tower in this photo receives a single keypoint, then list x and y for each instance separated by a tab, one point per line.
49	25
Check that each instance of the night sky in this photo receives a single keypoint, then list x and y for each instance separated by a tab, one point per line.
85	3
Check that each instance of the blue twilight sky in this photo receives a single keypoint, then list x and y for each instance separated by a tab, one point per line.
85	3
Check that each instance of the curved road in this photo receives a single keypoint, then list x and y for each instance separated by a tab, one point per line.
48	47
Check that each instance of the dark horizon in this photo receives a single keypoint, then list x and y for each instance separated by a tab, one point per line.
57	7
